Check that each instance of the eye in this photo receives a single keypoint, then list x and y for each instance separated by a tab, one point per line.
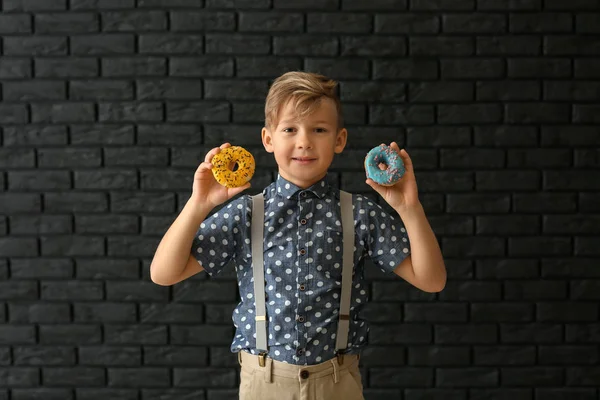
321	130
287	130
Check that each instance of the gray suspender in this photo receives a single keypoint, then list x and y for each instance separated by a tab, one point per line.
258	268
257	230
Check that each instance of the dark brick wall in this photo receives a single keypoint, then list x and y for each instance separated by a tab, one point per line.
109	105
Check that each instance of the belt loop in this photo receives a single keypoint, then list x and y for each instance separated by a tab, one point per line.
340	358
269	370
239	357
262	356
336	377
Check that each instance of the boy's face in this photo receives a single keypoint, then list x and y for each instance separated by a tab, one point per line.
304	148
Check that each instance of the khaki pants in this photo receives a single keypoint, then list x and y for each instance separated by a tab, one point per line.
280	381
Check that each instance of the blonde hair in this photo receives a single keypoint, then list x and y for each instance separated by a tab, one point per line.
306	90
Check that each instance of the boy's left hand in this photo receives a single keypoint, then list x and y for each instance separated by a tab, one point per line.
404	194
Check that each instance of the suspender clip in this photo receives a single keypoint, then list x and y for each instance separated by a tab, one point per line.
262	357
340	357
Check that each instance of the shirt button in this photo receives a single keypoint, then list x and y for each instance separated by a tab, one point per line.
304	374
303	221
303	194
300	318
299	352
302	251
302	287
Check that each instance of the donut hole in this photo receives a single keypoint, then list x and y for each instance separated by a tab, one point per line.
382	166
233	166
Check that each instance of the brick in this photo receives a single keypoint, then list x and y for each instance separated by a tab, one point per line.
521	45
168	89
473	246
169	3
579	45
542	246
545	202
473	376
538	376
31	181
133	21
505	136
573	136
204	377
586	376
540	22
104	89
39	313
201	66
467	68
474	23
74	376
530	333
21	158
587	22
17	334
170	43
435	355
406	23
69	334
238	44
468	113
30	268
209	111
19	376
442	5
405	376
376	5
413	68
432	92
570	180
130	112
72	67
135	291
516	268
70	245
136	334
473	333
45	224
139	156
34	46
306	44
508	90
338	23
306	4
20	203
270	21
503	312
441	46
502	5
44	355
134	66
62	112
574	5
437	137
372	91
75	202
535	158
175	355
539	68
587	158
571	90
339	68
404	114
380	45
66	23
473	159
537	113
105	44
109	356
171	313
435	312
100	4
508	225
34	5
15	23
15	68
71	290
504	355
201	21
559	393
46	393
236	89
237	3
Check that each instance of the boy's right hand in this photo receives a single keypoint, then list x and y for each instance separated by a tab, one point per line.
206	190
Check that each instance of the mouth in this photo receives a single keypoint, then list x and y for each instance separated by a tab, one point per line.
303	160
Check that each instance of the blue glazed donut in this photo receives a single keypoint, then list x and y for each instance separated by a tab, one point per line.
387	156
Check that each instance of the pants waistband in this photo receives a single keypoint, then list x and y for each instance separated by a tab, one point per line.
273	367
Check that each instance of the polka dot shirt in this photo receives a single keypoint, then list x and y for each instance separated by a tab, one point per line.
303	266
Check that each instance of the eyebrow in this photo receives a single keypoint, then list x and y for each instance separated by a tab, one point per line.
316	122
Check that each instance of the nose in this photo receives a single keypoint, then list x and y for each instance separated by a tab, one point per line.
303	140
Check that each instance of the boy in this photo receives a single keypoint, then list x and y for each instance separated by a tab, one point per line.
307	292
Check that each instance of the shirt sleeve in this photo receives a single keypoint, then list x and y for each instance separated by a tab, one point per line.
384	234
217	238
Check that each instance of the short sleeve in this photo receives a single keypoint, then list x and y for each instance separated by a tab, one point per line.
384	234
217	238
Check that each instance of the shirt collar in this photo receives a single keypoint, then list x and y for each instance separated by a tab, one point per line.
288	190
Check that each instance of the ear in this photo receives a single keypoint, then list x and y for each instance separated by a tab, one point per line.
340	140
267	140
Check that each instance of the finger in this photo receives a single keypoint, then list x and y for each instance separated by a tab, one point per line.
211	154
205	166
225	145
238	190
395	147
408	165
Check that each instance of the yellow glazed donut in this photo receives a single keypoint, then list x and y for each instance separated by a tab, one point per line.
223	162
